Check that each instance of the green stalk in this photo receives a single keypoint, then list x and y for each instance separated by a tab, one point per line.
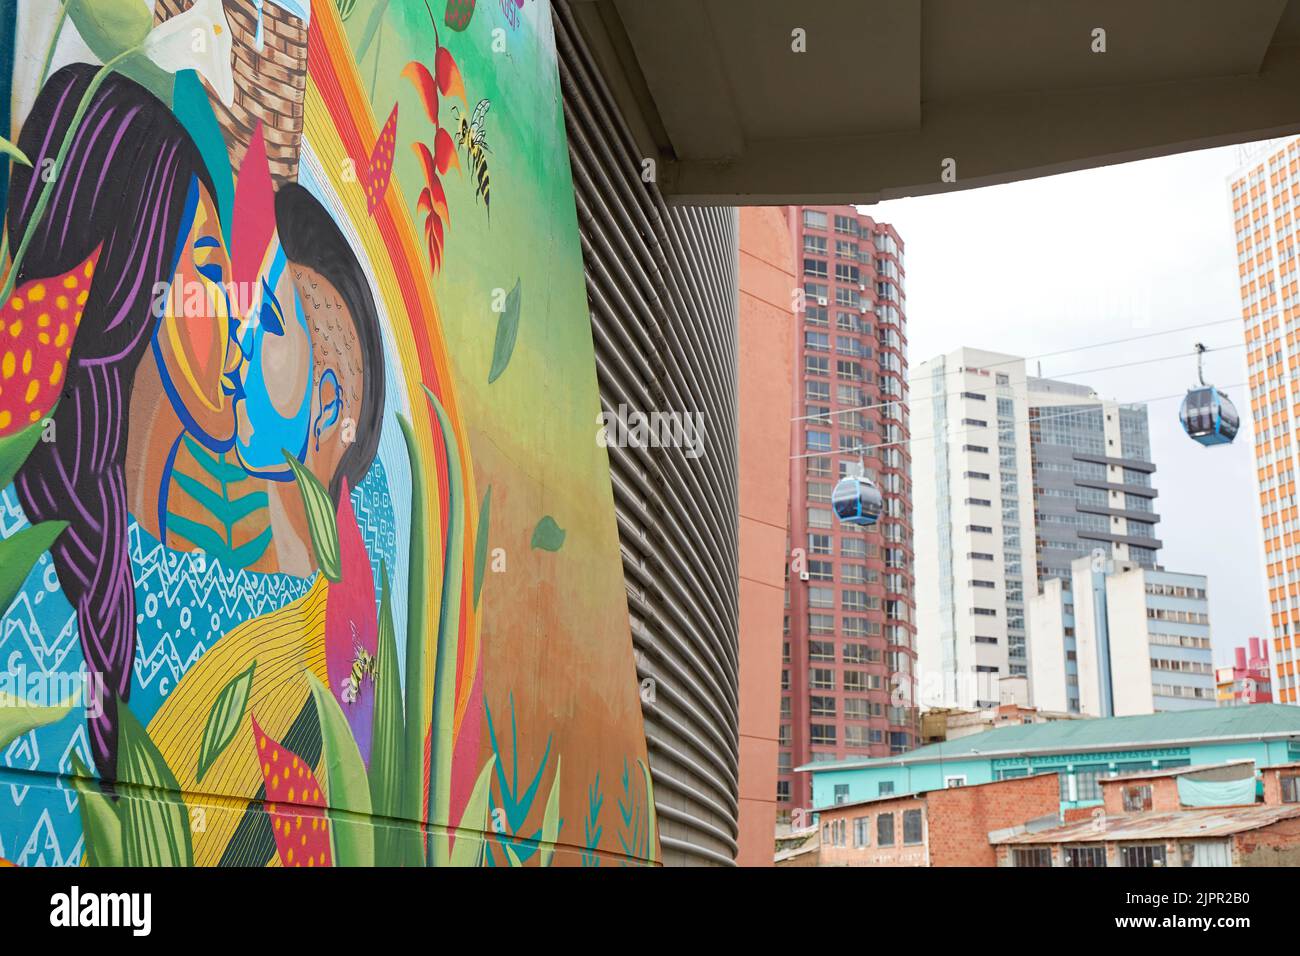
96	81
412	800
54	42
444	676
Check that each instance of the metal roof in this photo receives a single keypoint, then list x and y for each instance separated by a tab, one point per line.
1180	825
1215	724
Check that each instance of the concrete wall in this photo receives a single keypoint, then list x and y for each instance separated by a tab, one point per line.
766	380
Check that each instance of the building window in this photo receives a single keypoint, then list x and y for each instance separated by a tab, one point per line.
911	827
823	678
862	831
1290	788
885	829
951	782
1137	798
1086	785
822	733
1146	855
1031	856
1094	856
884	788
821	650
783	791
821	706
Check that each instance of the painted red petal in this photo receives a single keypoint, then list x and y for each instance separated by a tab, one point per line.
253	214
444	150
352	623
449	79
381	163
425	85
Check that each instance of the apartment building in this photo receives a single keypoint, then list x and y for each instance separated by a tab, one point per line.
850	635
1016	477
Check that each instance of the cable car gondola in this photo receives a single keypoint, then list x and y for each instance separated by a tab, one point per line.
857	500
1207	414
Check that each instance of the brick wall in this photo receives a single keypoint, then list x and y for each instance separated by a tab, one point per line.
899	854
955	823
961	818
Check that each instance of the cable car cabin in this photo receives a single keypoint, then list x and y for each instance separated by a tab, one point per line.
1208	416
857	500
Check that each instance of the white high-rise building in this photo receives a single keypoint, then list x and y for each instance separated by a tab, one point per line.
1014	477
973	511
1141	636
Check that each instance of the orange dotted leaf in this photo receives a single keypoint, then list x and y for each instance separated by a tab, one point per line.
37	328
294	802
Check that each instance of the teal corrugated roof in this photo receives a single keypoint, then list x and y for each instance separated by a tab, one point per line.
1064	736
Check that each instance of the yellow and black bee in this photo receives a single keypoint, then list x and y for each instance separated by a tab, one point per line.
471	133
364	665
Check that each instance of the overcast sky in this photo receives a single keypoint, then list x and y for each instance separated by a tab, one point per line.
1089	257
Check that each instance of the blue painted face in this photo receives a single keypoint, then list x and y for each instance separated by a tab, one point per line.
273	401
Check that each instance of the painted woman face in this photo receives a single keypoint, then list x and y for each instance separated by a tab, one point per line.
193	345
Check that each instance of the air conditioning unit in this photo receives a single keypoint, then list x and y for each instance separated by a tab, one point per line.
821	300
803	575
862	287
864	309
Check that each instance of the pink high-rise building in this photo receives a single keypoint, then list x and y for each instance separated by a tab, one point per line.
850	637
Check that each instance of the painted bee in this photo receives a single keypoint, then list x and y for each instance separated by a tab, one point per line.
471	133
364	665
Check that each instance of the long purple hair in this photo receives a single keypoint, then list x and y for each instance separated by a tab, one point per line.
124	185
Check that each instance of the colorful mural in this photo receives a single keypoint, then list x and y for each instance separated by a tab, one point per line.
307	550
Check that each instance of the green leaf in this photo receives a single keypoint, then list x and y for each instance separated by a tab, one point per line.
14	450
386	735
19	553
444	669
417	638
320	520
458	14
345	775
548	535
18	717
10	149
511	855
551	819
224	719
100	825
111	27
481	543
471	833
155	823
652	825
507	332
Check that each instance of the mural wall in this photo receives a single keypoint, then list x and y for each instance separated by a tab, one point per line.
307	548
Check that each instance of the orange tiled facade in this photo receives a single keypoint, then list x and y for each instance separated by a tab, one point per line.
1265	194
